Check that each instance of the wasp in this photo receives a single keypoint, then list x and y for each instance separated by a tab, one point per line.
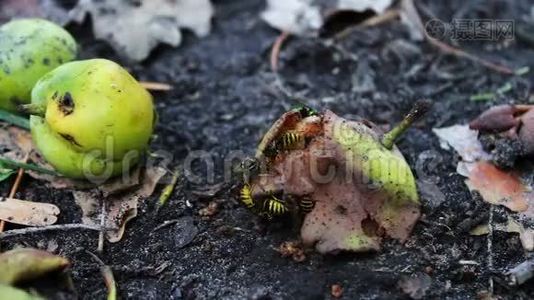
306	204
289	140
246	197
270	205
273	206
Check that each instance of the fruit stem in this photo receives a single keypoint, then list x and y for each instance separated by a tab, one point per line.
8	163
33	109
418	110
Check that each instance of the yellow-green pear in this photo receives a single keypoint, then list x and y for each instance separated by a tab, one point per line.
29	49
91	119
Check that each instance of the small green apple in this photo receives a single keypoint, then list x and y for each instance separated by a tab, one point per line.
91	119
29	49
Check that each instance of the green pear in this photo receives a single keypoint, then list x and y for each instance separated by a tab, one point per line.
29	49
91	119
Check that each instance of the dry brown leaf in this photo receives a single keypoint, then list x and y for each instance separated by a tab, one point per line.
499	187
28	213
120	201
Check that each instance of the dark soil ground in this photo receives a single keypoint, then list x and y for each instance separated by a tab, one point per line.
225	97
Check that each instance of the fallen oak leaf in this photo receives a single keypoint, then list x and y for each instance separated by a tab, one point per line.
28	213
24	264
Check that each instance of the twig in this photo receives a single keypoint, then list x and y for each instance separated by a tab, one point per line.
409	8
31	230
107	273
156	86
14	188
100	247
275	51
490	248
373	21
165	224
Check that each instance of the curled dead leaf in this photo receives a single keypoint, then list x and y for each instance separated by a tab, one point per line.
121	200
27	263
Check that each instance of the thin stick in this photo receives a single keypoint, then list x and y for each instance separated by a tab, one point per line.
31	230
156	86
275	51
14	188
490	248
372	21
107	273
100	247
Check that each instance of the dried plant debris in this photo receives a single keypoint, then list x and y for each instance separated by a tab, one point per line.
415	285
306	17
134	28
28	213
352	190
292	249
24	264
120	199
510	187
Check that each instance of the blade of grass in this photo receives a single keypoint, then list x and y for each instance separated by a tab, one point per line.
8	163
14	119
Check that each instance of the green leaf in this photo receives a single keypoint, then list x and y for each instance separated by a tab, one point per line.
14	119
5	173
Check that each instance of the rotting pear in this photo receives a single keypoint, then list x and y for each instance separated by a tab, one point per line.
361	187
91	119
29	49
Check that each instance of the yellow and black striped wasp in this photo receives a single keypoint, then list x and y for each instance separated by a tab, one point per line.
273	205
